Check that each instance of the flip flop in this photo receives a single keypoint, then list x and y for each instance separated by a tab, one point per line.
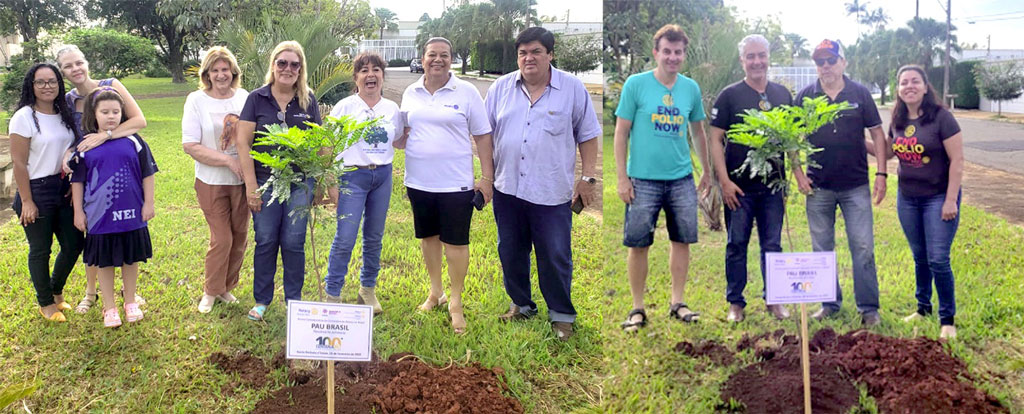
256	313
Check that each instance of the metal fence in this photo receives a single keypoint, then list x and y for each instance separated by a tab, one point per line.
390	49
793	77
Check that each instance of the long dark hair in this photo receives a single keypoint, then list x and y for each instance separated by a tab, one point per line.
930	104
60	106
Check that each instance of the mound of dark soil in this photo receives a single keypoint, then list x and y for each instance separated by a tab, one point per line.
401	384
903	375
251	370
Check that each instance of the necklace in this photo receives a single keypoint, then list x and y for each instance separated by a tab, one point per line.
764	104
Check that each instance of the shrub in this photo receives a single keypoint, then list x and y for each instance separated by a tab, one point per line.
393	63
156	70
961	83
11	80
112	53
488	54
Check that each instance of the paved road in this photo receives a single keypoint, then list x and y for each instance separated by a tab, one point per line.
992	144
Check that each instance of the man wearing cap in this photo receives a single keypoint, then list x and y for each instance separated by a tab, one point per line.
842	179
655	171
539	116
747	199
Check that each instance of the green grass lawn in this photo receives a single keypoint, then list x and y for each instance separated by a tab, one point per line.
645	374
159	364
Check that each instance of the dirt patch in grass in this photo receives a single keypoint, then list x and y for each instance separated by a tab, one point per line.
251	370
898	373
400	384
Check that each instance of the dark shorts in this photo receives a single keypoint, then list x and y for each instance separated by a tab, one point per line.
117	249
442	214
679	200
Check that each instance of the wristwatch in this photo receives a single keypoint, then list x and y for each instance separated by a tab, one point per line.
590	180
110	134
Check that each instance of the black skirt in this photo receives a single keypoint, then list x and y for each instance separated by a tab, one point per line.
117	249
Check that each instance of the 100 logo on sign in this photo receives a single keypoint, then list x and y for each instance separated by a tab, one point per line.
801	286
328	342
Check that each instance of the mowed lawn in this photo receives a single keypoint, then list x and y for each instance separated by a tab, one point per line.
645	374
159	364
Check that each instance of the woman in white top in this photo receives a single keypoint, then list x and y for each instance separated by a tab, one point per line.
42	130
207	134
367	188
443	112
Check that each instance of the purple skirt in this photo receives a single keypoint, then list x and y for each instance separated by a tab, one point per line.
117	249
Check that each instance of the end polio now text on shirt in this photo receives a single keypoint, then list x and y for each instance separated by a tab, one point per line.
658	149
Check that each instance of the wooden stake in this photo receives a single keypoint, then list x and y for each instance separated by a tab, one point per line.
805	358
330	387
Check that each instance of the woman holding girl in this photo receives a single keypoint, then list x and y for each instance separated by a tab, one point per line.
368	184
207	135
75	68
284	99
927	140
41	130
112	189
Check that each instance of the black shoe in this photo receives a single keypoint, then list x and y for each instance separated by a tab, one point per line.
824	312
870	319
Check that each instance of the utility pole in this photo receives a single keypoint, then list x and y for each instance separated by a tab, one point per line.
945	74
988	47
917	10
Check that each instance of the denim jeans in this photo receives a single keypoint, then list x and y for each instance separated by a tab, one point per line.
930	239
523	225
369	194
765	208
276	228
679	200
855	204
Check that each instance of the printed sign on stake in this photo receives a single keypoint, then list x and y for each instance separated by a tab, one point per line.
800	277
329	331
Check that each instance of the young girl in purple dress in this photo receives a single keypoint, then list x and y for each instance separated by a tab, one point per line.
112	190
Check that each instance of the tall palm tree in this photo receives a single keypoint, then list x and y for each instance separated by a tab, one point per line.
856	8
386	19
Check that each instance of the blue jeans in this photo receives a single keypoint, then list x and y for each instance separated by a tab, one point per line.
855	204
276	227
679	200
765	208
548	230
930	239
369	194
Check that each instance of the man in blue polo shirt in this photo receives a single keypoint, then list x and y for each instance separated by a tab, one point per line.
539	116
842	179
655	172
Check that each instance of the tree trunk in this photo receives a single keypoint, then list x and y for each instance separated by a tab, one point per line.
175	59
481	57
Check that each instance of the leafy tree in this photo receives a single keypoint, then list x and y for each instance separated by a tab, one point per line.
316	153
876	18
1000	81
511	16
30	17
871	59
112	52
577	54
921	41
856	8
143	18
797	45
386	20
424	17
11	81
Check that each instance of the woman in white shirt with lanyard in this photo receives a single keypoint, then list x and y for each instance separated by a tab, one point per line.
366	189
207	135
443	112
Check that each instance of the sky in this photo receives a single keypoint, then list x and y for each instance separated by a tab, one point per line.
1003	20
579	10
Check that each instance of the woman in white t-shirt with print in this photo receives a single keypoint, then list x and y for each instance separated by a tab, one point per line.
443	113
207	134
42	130
367	187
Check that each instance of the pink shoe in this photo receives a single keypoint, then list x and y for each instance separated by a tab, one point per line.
111	318
132	312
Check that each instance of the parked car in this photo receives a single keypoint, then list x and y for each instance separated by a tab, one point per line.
416	65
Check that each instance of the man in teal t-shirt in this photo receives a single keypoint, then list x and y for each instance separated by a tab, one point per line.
652	116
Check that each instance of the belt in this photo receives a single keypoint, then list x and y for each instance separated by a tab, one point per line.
370	167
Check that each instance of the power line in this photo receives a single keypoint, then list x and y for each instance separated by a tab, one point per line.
981	16
996	19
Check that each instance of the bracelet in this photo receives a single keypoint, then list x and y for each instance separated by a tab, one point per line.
110	134
487	178
882	174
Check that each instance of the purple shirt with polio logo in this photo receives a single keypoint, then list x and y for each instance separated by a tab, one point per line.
112	174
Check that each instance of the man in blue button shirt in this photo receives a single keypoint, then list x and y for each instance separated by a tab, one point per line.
842	178
539	116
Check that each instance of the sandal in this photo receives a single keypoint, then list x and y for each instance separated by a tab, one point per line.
111	318
632	326
458	319
256	313
86	303
433	302
132	312
688	315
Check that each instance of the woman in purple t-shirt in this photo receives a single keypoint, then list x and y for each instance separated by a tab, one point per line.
927	140
75	68
112	190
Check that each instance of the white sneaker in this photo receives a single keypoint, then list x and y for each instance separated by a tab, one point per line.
227	297
206	303
947	332
913	317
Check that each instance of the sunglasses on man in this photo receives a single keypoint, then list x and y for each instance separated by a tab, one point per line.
295	65
821	61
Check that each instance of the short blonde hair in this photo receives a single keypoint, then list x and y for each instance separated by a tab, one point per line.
214	55
301	89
